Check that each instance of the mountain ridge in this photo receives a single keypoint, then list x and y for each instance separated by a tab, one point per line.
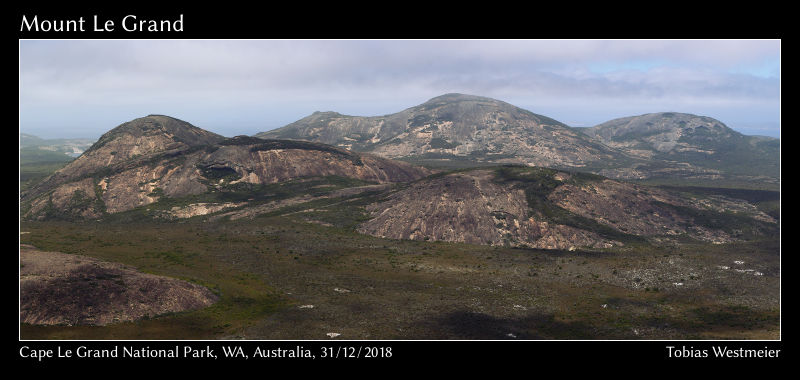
459	130
700	141
534	207
454	125
157	157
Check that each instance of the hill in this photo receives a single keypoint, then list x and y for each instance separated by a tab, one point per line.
460	131
158	158
678	142
455	127
63	289
545	208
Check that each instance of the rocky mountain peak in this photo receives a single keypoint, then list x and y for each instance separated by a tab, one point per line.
326	113
154	157
707	145
157	127
453	126
454	105
136	140
456	97
145	136
662	127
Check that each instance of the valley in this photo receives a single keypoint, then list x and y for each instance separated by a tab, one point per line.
280	277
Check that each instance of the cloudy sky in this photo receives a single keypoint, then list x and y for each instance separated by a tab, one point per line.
85	88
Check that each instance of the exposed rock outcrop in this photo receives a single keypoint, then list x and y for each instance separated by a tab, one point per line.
471	208
545	208
62	289
270	161
147	159
467	128
454	125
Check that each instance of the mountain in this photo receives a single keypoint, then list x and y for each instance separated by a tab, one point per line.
158	167
456	130
455	127
159	158
524	206
691	142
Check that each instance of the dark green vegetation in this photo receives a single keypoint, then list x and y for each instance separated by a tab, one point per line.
440	143
31	155
287	262
726	183
36	164
766	200
538	183
734	224
735	155
152	250
697	148
79	202
32	147
738	226
363	287
267	144
253	194
370	288
445	162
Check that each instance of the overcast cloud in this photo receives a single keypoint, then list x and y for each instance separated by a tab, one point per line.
84	88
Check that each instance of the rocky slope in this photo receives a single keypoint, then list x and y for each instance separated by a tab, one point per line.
690	143
454	126
269	161
138	139
456	130
157	157
471	208
57	288
545	208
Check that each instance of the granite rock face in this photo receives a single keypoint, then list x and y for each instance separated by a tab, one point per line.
147	159
549	209
271	161
471	208
474	129
454	125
